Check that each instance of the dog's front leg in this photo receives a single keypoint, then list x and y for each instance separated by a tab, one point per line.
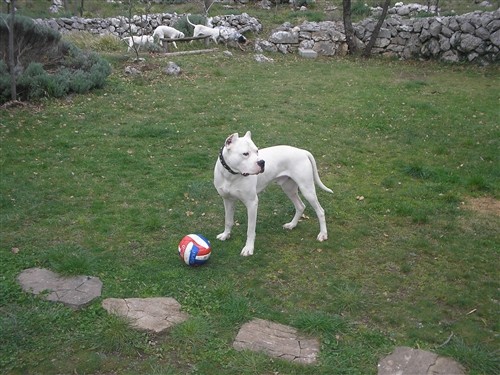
228	219
252	206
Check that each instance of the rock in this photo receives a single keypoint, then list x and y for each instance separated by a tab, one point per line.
450	56
284	37
469	43
265	46
75	292
277	340
495	38
172	69
149	314
408	361
308	53
132	71
262	59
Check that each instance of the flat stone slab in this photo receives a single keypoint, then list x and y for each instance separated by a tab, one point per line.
408	361
75	292
308	53
148	314
277	340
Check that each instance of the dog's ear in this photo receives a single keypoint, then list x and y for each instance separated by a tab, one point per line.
231	139
248	134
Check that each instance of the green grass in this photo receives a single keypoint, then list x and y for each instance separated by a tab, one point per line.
106	184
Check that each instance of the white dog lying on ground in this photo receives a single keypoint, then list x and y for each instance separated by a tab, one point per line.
138	40
242	171
168	32
202	30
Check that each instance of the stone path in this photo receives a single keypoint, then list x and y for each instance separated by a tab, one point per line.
75	292
408	361
150	314
276	340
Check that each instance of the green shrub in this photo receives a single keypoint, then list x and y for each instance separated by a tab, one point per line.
75	71
360	9
30	40
33	82
4	82
58	86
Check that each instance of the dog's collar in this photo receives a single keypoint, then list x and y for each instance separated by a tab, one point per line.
223	162
227	167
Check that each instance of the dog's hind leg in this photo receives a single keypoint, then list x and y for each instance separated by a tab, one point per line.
291	189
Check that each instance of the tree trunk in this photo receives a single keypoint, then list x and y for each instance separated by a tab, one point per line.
12	62
373	38
349	31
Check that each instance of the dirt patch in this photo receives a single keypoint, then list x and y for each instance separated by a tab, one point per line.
485	205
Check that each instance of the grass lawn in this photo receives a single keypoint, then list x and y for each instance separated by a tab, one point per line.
106	184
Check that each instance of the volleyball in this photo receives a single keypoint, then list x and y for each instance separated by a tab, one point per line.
194	249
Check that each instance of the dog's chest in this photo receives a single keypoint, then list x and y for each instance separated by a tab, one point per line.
227	189
236	187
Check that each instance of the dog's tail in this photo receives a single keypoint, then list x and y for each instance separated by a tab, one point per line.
316	174
187	17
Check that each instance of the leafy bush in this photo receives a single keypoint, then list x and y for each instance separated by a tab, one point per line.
360	9
4	81
53	71
31	40
33	82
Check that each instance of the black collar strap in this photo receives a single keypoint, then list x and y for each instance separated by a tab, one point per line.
223	162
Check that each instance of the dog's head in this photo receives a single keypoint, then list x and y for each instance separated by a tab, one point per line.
242	155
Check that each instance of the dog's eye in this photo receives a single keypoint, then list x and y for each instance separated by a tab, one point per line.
246	154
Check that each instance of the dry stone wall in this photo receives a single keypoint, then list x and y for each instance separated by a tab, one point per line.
472	37
142	25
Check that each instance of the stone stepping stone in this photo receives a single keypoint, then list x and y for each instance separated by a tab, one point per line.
408	361
147	314
277	340
75	292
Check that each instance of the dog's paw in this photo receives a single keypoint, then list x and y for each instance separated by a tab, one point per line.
322	237
289	225
247	251
223	236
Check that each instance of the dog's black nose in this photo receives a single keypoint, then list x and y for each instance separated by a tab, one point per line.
261	164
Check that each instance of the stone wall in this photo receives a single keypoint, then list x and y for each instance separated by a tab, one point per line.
142	25
472	37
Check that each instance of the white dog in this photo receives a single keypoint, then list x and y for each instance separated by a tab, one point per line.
168	32
138	40
242	171
200	30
